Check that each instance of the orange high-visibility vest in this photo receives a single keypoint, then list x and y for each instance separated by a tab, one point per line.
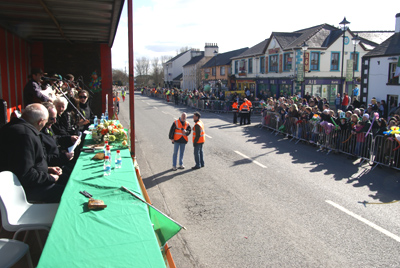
249	103
235	106
179	130
202	137
244	107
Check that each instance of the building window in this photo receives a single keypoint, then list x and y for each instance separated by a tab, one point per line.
335	61
314	61
273	63
392	70
355	60
250	65
287	64
262	65
213	71
236	67
242	67
222	70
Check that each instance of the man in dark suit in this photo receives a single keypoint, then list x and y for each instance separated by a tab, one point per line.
22	153
33	90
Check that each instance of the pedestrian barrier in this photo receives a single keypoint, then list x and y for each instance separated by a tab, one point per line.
378	151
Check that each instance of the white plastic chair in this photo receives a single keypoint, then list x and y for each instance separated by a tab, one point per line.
17	214
12	251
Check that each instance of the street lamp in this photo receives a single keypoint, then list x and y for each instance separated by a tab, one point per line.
215	56
343	27
304	47
167	76
356	40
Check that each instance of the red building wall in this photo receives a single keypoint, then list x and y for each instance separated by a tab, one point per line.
14	69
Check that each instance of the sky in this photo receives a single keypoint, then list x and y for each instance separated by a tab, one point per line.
162	27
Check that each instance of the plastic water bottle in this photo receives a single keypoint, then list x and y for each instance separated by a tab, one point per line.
108	152
106	115
95	121
118	160
105	147
107	166
102	118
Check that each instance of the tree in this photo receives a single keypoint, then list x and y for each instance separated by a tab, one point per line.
142	70
119	75
182	49
157	72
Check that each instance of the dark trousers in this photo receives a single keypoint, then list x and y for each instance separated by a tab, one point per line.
245	118
235	117
198	154
47	194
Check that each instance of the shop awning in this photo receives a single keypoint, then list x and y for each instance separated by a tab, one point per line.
73	21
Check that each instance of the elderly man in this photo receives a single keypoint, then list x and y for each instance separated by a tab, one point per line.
178	134
22	153
33	90
51	141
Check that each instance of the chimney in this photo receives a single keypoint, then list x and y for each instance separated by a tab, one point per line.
209	49
397	28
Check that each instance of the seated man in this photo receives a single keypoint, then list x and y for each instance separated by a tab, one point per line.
56	157
22	153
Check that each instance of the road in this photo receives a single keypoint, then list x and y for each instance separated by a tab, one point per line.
263	201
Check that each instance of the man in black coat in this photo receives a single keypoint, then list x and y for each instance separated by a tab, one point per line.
22	153
33	90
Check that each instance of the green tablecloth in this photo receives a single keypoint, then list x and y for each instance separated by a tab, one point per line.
121	235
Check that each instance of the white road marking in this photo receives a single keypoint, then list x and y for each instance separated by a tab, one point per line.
254	161
367	222
164	112
147	103
155	107
208	136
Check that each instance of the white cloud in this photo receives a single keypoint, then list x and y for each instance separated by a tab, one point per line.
161	27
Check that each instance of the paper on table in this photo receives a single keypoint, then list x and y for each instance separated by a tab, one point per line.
72	148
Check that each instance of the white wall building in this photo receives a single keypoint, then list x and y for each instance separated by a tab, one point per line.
274	69
378	79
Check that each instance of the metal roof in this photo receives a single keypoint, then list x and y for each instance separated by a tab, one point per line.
73	21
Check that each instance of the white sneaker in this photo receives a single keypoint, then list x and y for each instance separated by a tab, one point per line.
181	167
174	168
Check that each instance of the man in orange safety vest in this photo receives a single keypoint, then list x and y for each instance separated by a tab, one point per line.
178	134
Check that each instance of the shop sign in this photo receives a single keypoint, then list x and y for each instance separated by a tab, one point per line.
300	72
273	50
349	70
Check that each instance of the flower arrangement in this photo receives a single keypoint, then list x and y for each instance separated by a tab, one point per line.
110	131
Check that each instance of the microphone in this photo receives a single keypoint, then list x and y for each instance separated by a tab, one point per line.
44	78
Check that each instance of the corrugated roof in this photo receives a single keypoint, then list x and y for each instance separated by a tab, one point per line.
224	58
390	47
74	21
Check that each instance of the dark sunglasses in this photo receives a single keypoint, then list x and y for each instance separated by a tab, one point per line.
82	97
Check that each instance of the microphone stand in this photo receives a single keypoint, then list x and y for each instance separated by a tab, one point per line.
70	102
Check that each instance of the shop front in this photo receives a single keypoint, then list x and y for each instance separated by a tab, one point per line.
324	88
262	87
285	87
242	85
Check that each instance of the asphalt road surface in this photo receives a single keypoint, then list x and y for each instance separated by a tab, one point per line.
263	201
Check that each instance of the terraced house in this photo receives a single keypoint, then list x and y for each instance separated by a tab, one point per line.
313	60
